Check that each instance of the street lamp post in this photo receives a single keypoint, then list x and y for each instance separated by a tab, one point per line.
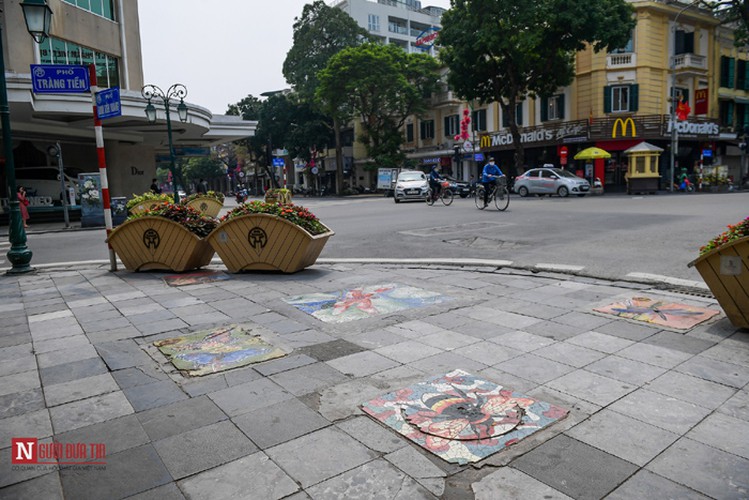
176	91
38	17
674	132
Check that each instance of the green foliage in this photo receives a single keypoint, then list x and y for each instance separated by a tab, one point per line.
210	194
732	13
148	197
382	99
292	213
188	217
203	167
506	51
740	230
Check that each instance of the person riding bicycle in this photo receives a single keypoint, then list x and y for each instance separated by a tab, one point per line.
489	178
435	183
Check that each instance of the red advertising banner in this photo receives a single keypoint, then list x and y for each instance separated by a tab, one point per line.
700	101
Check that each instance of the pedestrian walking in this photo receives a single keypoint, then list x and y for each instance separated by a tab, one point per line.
23	203
155	189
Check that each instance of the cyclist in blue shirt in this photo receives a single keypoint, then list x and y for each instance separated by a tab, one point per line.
434	181
489	178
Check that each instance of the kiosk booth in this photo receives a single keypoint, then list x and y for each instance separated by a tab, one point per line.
642	171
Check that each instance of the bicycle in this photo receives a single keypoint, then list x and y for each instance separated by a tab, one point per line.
445	194
500	194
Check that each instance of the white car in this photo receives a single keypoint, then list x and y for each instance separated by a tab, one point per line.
549	181
410	185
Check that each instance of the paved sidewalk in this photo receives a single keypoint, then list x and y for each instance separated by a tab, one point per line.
653	413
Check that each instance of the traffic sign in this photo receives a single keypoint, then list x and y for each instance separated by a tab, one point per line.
59	79
278	162
108	103
467	146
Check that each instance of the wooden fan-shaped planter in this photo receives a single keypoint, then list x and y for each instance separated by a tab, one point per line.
726	272
264	242
206	205
155	243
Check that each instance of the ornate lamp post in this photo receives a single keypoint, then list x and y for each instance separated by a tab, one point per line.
38	17
176	91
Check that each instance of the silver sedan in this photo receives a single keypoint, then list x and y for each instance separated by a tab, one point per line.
549	181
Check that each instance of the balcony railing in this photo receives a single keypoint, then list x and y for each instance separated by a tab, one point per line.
689	61
616	61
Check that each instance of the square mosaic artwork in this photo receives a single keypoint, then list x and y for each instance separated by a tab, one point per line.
216	350
364	302
461	418
659	312
195	278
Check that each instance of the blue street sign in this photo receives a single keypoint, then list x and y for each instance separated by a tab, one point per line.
59	79
478	157
108	103
278	162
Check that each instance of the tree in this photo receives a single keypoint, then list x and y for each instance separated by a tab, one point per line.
382	99
735	13
507	51
320	33
203	167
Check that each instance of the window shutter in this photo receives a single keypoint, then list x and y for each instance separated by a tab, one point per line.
723	71
689	43
561	106
678	42
634	97
729	117
746	76
505	119
607	99
731	73
544	109
519	114
447	126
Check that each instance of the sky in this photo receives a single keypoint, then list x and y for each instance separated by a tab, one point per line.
220	54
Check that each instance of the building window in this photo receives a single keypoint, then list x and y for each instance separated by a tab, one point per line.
427	129
684	42
409	132
620	98
518	116
56	51
726	113
103	8
628	48
552	108
452	125
727	66
373	22
478	119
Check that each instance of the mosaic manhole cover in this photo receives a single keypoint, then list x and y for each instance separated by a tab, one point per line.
659	312
364	302
216	350
195	278
461	418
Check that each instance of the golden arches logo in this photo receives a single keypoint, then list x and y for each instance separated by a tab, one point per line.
624	124
486	141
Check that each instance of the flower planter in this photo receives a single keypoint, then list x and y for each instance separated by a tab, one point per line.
155	243
142	207
726	272
206	205
264	242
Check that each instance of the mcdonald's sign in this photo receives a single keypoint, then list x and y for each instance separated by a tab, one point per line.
623	124
486	141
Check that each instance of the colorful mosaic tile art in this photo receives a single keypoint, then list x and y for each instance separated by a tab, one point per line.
216	350
659	312
461	418
195	278
364	302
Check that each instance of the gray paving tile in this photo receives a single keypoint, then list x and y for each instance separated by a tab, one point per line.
730	352
127	473
203	448
310	378
588	386
117	435
282	364
168	491
691	389
204	385
247	397
20	403
508	380
554	330
72	371
488	353
10	339
480	329
376	479
279	423
417	466
622	436
179	417
122	354
627	330
89	411
47	487
145	397
600	342
707	470
654	355
362	364
737	406
626	370
721	431
35	423
645	484
716	371
15	351
83	388
19	364
330	350
306	338
447	340
535	368
372	434
569	354
251	476
161	326
374	339
20	382
659	410
446	362
63	356
679	342
72	342
308	459
408	351
138	375
574	468
522	341
12	475
582	321
511	484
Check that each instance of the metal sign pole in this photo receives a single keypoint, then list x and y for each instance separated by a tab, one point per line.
63	187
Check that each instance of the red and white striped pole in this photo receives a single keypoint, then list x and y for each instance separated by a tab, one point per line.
102	166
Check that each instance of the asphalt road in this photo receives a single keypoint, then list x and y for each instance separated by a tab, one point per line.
608	236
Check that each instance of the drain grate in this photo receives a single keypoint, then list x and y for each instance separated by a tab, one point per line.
685	290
